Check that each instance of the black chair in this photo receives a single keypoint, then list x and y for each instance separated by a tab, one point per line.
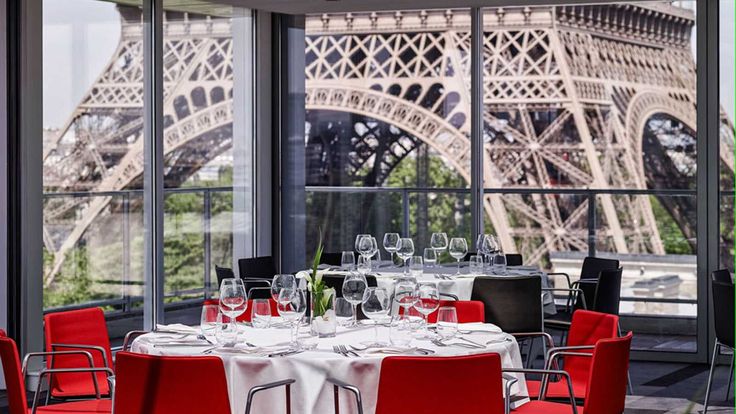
605	299
332	259
262	267
608	292
513	259
223	273
590	271
723	312
514	304
723	276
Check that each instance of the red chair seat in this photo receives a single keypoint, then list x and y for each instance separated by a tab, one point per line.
558	389
546	407
77	407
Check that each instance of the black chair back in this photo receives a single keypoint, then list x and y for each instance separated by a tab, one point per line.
258	292
468	255
332	259
607	292
723	276
262	267
223	273
513	259
335	282
723	312
512	303
592	267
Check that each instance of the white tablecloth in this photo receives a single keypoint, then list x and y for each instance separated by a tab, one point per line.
311	394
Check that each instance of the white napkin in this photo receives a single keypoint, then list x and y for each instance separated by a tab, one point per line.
479	327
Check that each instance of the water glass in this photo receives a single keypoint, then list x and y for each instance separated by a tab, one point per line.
447	322
358	239
458	250
428	301
344	312
499	264
233	299
438	242
416	266
391	243
261	313
364	265
354	288
292	305
406	250
476	265
226	332
208	320
400	332
282	282
376	306
347	261
430	257
405	293
365	245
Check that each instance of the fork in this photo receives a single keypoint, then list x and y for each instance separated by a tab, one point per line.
336	349
346	351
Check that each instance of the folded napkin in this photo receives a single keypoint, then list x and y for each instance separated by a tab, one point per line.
178	328
479	327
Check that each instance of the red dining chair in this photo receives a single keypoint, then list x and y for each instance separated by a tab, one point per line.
83	329
606	388
246	317
468	311
146	384
586	330
463	384
15	382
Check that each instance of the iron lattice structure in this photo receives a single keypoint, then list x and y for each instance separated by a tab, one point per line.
575	97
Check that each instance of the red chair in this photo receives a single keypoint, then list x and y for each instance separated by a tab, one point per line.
147	384
606	388
468	311
586	330
246	317
16	389
465	384
83	329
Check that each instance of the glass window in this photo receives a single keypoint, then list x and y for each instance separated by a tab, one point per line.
93	158
728	106
207	145
387	145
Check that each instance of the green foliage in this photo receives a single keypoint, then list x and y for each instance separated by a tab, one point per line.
674	240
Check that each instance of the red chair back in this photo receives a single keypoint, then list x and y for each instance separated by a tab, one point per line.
77	327
148	384
246	317
13	376
441	385
587	328
606	393
468	311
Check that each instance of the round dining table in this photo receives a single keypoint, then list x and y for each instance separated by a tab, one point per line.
261	355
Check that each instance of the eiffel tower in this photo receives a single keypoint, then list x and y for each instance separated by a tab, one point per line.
594	96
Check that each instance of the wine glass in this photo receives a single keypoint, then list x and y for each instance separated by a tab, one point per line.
279	282
480	246
438	242
358	238
430	257
391	243
365	245
406	250
376	307
292	305
447	322
428	301
354	288
406	294
458	250
491	247
364	265
233	299
347	261
374	247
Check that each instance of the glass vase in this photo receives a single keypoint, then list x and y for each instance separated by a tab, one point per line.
322	320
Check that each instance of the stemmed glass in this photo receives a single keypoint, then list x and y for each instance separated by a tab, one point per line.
481	247
491	246
354	288
438	242
428	301
391	243
358	238
406	250
365	246
292	305
376	306
458	249
233	300
406	294
282	282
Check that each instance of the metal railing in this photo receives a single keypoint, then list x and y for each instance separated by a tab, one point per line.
127	302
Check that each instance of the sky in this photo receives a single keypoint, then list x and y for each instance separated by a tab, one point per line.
80	36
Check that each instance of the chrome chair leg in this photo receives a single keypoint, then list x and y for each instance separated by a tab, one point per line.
730	375
710	377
